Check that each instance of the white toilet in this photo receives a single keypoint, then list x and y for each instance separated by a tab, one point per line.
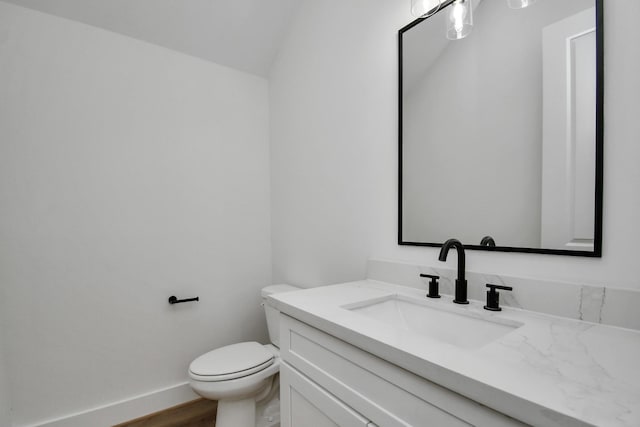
243	376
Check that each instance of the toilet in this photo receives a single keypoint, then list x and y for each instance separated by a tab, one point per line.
243	377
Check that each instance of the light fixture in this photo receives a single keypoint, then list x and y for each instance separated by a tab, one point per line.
460	20
520	4
424	8
460	14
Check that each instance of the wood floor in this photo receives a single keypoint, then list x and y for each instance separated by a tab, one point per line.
197	413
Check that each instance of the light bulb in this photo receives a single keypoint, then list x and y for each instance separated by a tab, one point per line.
460	20
424	8
520	4
457	15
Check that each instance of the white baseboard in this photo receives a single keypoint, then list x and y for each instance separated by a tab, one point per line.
125	410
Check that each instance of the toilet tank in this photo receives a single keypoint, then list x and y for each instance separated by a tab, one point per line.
272	315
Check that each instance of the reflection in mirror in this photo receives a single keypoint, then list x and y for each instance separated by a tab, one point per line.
501	132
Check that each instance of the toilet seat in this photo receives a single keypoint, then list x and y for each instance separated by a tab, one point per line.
231	362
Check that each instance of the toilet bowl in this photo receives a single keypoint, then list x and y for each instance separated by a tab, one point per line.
242	376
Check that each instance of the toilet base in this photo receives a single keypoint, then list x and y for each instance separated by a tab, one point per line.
236	413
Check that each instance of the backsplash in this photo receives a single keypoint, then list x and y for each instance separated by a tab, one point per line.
598	304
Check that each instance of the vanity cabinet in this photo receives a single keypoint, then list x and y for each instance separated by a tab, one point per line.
328	382
305	403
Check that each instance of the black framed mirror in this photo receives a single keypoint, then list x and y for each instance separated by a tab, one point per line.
501	132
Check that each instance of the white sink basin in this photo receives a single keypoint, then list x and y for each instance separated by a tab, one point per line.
449	325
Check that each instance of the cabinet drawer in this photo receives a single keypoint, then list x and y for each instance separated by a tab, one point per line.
306	404
382	392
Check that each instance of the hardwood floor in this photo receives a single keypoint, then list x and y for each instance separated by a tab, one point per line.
197	413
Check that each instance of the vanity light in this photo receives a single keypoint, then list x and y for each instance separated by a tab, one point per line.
425	8
460	20
460	16
520	4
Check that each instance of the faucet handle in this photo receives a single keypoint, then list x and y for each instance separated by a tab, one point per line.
433	285
493	297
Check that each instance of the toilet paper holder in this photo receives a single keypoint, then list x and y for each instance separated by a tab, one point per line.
174	300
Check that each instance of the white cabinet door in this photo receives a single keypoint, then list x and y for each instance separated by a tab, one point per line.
304	404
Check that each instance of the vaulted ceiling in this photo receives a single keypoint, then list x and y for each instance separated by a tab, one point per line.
241	34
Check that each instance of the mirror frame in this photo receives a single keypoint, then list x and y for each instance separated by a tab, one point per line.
599	147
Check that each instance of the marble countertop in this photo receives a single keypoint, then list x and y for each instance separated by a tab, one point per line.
551	371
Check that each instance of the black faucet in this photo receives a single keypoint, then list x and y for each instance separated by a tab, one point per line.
487	241
461	283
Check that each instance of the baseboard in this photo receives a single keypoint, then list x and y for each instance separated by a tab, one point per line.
199	412
125	410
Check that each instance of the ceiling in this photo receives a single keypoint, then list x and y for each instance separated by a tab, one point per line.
241	34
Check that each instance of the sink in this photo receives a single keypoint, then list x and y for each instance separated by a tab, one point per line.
453	326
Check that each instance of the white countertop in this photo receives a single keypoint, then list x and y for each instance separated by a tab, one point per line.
551	371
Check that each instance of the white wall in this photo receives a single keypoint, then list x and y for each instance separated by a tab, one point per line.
5	402
333	114
334	154
128	173
5	405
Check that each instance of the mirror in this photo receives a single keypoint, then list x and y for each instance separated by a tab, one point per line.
501	132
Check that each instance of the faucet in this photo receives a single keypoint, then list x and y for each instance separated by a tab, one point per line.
487	241
461	283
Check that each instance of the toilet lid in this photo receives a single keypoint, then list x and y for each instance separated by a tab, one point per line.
232	361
